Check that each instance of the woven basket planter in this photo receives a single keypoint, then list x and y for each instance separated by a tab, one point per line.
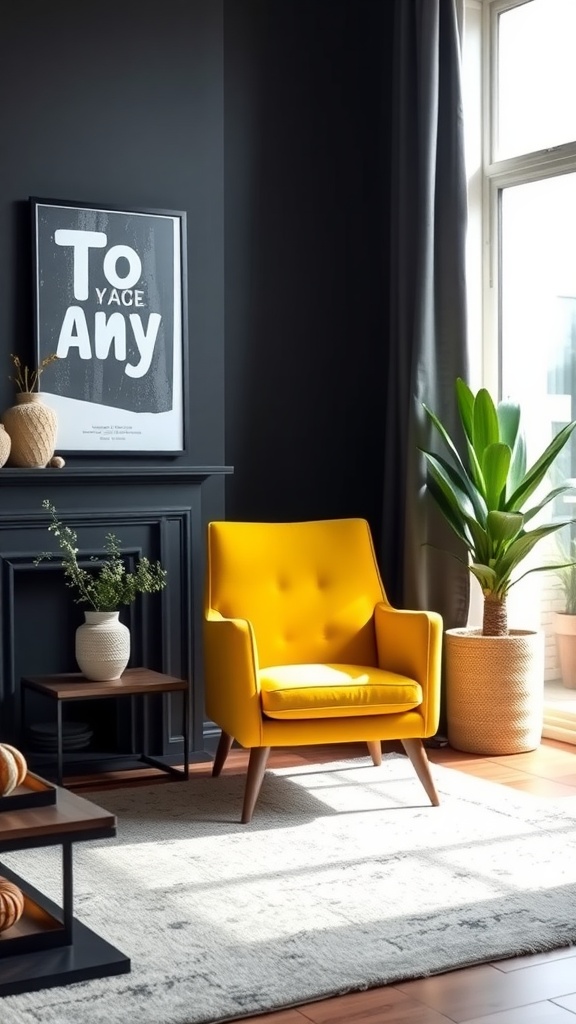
494	691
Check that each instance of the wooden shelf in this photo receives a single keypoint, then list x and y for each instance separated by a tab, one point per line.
71	817
48	946
74	686
37	929
33	792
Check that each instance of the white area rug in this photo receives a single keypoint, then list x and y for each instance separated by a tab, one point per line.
346	879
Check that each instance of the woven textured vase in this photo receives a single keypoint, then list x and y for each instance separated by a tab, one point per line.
102	646
32	427
494	691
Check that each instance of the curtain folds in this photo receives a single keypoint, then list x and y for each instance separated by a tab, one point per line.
427	336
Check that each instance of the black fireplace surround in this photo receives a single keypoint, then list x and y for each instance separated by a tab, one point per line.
154	511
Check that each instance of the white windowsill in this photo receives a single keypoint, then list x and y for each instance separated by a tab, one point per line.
559	713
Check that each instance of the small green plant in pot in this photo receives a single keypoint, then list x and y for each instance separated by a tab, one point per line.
566	573
488	495
565	620
102	641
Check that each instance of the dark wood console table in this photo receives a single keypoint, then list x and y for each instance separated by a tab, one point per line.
48	946
133	682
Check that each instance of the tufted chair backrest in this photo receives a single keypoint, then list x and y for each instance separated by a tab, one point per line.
309	589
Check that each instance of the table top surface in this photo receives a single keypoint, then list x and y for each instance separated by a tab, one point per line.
69	818
72	685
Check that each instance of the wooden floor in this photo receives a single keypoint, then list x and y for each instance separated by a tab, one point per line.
537	989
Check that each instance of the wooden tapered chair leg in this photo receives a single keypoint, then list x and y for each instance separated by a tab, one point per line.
256	769
375	750
420	763
222	752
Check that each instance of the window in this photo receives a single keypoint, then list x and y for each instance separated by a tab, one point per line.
524	212
534	74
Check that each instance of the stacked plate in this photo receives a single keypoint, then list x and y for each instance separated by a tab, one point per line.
75	736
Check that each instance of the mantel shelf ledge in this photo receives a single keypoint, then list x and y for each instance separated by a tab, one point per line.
16	477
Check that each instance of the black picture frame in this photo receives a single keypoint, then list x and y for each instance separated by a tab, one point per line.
110	299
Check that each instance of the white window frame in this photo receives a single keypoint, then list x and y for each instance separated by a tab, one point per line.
484	231
498	174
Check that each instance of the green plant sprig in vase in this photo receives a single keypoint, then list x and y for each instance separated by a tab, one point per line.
110	586
102	643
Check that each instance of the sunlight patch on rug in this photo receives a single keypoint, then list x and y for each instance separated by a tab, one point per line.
346	878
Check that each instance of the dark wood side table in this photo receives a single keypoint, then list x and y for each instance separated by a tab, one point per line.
48	946
133	682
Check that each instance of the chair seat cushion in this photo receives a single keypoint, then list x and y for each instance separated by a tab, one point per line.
331	691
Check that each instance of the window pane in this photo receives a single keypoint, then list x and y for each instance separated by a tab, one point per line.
539	312
536	77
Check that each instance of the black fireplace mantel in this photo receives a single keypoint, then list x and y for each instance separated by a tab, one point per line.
16	477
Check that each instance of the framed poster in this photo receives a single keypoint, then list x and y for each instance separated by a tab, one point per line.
110	300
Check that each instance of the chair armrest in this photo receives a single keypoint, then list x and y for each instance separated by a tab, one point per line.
232	690
410	643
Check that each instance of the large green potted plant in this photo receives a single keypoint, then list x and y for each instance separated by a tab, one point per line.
490	498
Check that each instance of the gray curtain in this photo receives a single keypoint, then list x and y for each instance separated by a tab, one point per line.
427	330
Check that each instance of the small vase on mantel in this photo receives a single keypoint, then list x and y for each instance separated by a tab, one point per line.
102	646
5	445
32	427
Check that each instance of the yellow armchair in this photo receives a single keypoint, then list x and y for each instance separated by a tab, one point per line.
302	646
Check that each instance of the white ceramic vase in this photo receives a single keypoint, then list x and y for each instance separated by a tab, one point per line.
102	646
5	444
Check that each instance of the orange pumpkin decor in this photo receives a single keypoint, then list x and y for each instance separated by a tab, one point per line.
13	768
11	904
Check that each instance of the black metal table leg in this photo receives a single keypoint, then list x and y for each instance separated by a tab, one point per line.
186	731
59	752
21	737
67	891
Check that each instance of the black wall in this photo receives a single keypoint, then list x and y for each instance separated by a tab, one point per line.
306	101
266	120
121	103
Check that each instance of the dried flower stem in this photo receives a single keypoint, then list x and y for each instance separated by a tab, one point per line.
28	380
